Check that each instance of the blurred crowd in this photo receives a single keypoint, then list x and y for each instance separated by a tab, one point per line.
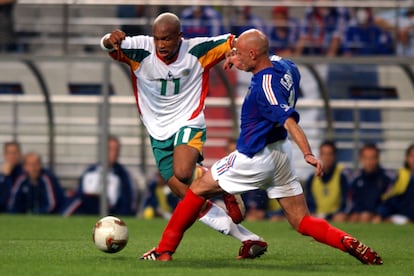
369	194
319	31
326	31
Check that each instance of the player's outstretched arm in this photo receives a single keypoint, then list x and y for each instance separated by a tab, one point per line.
113	40
297	134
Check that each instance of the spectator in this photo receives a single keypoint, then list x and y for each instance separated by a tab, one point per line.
363	37
326	195
201	21
402	26
398	205
256	203
7	34
405	45
284	32
275	211
121	190
322	31
10	170
36	190
160	201
133	12
245	19
370	183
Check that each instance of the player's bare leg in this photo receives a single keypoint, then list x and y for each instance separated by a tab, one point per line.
185	170
187	212
297	214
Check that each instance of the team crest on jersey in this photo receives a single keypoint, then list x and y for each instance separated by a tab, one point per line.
186	72
286	81
170	76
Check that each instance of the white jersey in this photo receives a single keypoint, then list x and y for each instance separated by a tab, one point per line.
170	96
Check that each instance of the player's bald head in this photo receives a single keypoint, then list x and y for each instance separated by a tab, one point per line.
167	21
256	40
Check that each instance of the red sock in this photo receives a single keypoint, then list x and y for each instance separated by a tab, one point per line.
184	215
322	231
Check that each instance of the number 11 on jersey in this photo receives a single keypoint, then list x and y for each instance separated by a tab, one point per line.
164	84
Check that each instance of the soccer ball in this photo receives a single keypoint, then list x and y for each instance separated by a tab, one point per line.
110	234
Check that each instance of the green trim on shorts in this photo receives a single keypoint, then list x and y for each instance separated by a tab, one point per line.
163	149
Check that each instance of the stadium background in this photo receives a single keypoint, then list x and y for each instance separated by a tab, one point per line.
52	97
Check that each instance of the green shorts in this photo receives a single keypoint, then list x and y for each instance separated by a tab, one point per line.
163	150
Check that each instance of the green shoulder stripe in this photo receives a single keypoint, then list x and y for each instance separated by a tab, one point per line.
202	48
136	54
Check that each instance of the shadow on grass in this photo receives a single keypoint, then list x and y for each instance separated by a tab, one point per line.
242	265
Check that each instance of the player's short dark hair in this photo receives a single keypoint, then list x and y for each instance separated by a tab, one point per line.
366	146
11	143
329	143
407	152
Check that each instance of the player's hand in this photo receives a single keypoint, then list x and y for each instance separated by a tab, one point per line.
312	160
6	168
230	59
114	40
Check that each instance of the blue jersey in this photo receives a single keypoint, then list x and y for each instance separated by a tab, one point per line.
271	99
45	196
284	37
6	184
367	190
120	189
209	23
368	41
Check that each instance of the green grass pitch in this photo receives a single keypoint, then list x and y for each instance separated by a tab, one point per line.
49	245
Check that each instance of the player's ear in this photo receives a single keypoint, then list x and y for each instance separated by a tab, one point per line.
252	54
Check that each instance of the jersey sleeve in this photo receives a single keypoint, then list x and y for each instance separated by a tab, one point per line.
277	99
211	50
133	50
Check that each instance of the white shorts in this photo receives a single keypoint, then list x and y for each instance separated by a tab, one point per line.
270	169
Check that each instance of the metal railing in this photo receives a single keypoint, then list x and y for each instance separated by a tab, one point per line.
50	99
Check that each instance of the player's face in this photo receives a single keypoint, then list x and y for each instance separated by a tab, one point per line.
369	160
327	155
12	154
167	41
243	59
32	166
410	160
113	151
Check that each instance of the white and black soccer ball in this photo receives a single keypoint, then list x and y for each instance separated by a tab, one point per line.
110	234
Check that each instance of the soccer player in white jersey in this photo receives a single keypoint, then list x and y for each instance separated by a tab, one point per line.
170	80
262	159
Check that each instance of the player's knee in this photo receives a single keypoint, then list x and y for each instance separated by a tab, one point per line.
184	175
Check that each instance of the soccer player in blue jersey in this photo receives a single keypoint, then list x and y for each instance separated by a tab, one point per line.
262	159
